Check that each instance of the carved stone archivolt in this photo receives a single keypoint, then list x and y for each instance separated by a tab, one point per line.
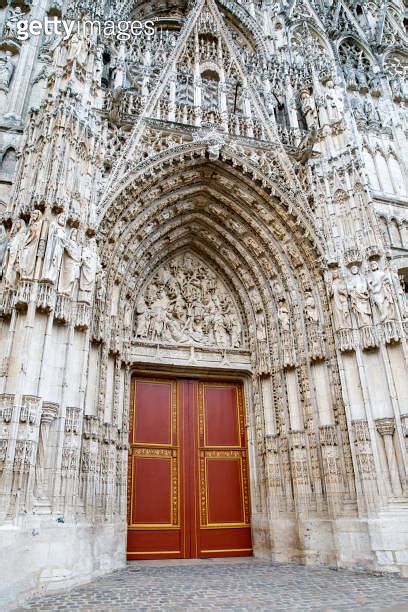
186	302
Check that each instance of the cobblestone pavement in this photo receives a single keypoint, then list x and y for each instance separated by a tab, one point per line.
231	585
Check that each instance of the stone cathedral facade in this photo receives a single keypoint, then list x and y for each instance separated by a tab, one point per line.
227	196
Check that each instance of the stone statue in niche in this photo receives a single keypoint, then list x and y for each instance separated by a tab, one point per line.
30	245
339	300
127	316
77	50
371	114
334	103
360	301
361	78
70	265
186	303
284	316
401	295
12	259
3	248
349	72
90	266
101	287
6	70
308	108
397	87
55	249
311	312
379	284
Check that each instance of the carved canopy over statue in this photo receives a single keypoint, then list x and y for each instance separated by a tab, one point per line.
185	302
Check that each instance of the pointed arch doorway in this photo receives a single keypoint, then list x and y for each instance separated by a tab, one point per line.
188	481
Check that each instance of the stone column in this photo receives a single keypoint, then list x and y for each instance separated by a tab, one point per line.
365	462
299	471
385	428
172	97
49	413
331	466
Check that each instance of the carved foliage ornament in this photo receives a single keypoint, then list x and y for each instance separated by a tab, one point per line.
185	302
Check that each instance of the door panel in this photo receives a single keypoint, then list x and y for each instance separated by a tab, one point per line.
155	490
188	470
224	475
224	527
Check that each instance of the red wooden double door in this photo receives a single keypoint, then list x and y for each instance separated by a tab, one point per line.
188	490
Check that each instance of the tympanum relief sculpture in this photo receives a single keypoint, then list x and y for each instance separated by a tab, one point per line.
187	303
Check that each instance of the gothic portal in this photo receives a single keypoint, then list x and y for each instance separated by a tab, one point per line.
204	266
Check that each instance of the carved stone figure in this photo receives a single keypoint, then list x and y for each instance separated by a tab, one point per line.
55	249
339	300
371	114
70	265
6	71
358	109
349	72
142	319
284	316
401	295
3	248
185	302
379	284
77	49
10	29
101	287
29	247
360	301
397	87
127	316
308	108
311	312
361	77
12	265
89	267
